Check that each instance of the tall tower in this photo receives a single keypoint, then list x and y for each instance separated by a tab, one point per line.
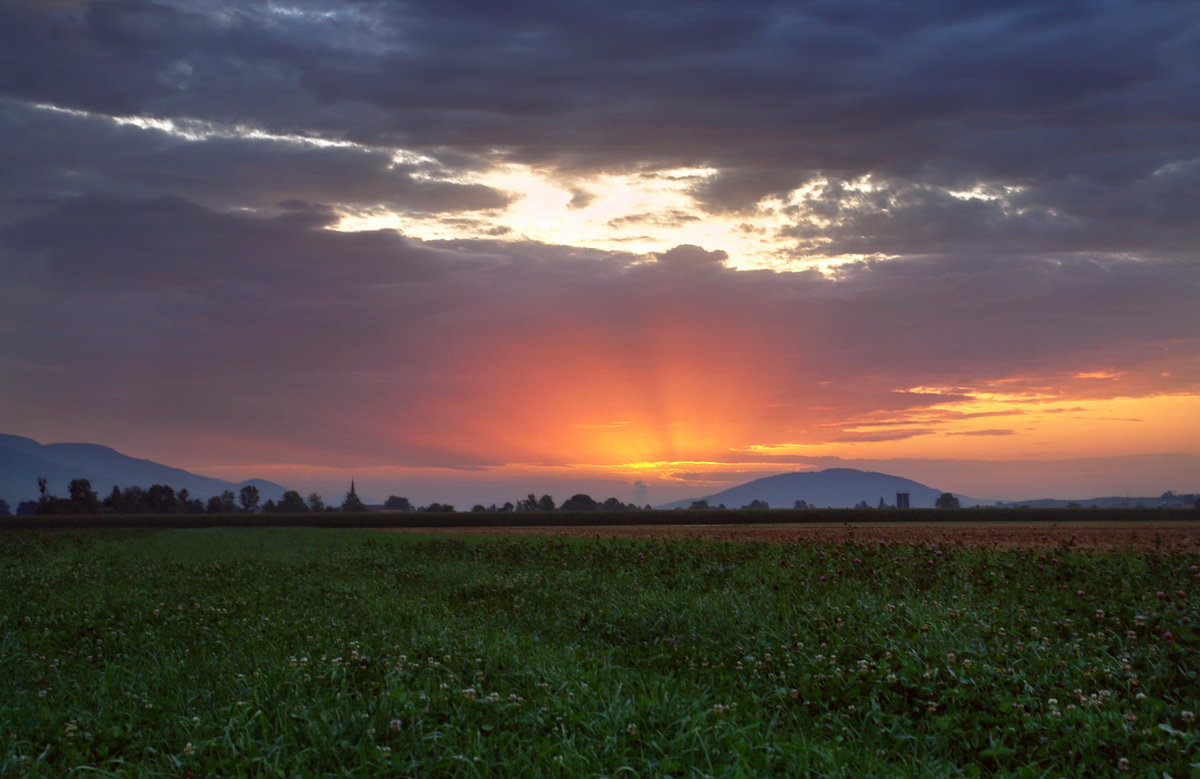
901	500
352	492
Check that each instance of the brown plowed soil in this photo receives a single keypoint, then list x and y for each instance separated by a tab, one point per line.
1142	536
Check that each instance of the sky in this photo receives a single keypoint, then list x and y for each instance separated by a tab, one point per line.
464	251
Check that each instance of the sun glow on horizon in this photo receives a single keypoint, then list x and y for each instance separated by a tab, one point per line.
684	454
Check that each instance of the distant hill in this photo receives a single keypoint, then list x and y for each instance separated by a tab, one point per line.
834	487
23	460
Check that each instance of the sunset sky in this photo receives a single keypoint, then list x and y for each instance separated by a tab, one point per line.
463	251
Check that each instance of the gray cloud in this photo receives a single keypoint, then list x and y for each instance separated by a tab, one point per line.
669	218
581	198
936	88
1150	216
740	189
52	154
690	259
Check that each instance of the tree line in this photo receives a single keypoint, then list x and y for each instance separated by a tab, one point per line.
578	502
164	499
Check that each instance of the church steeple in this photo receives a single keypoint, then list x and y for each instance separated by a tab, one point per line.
352	492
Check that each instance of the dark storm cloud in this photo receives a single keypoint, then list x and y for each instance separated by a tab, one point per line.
146	312
1088	110
51	154
848	87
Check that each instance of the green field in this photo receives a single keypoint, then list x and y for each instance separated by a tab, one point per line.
306	652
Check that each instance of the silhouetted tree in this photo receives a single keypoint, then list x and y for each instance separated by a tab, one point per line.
27	508
580	502
161	499
699	505
228	502
947	501
316	502
612	504
291	502
133	500
45	500
215	505
188	504
437	507
114	502
248	497
507	507
83	498
757	504
4	509
397	503
801	504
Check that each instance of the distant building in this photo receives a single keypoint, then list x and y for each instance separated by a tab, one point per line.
901	500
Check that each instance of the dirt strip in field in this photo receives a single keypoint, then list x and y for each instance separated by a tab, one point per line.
1163	536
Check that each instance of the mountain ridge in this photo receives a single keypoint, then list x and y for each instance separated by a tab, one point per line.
24	460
